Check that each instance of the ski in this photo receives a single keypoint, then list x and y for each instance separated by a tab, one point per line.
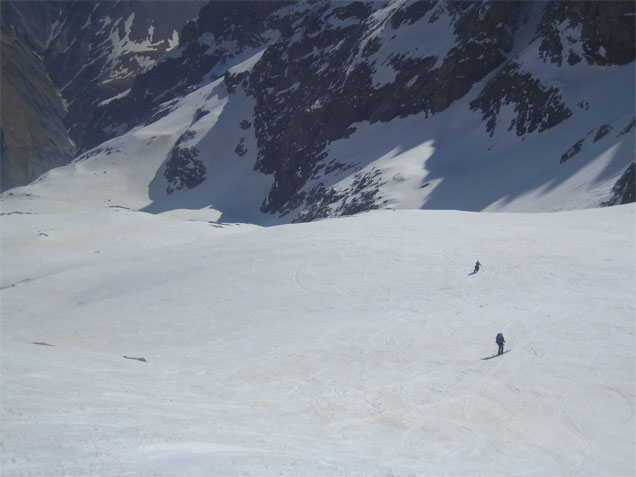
495	355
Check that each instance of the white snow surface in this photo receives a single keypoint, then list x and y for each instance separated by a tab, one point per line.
349	346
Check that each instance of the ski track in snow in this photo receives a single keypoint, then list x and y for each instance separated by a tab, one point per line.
349	346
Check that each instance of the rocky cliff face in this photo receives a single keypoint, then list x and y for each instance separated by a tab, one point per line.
321	72
599	33
34	138
327	66
62	61
357	74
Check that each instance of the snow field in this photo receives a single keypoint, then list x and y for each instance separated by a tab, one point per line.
350	346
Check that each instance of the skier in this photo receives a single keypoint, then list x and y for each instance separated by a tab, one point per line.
477	266
500	341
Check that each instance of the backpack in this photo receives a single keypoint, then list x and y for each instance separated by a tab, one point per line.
499	338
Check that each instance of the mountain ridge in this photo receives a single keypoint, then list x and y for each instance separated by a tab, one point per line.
516	78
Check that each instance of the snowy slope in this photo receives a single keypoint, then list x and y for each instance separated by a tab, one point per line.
448	161
348	346
129	170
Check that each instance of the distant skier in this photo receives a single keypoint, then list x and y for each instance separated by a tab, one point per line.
477	266
500	341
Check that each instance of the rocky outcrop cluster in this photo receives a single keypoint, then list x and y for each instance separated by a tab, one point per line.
184	168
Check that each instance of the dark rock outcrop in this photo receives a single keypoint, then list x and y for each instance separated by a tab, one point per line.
33	135
624	191
604	31
537	107
295	118
184	168
62	62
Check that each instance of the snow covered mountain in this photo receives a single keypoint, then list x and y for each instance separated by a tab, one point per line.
277	111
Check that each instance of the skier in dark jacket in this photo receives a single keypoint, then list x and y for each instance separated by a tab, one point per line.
500	341
477	266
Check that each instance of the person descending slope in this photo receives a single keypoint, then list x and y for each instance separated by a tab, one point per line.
477	266
500	341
